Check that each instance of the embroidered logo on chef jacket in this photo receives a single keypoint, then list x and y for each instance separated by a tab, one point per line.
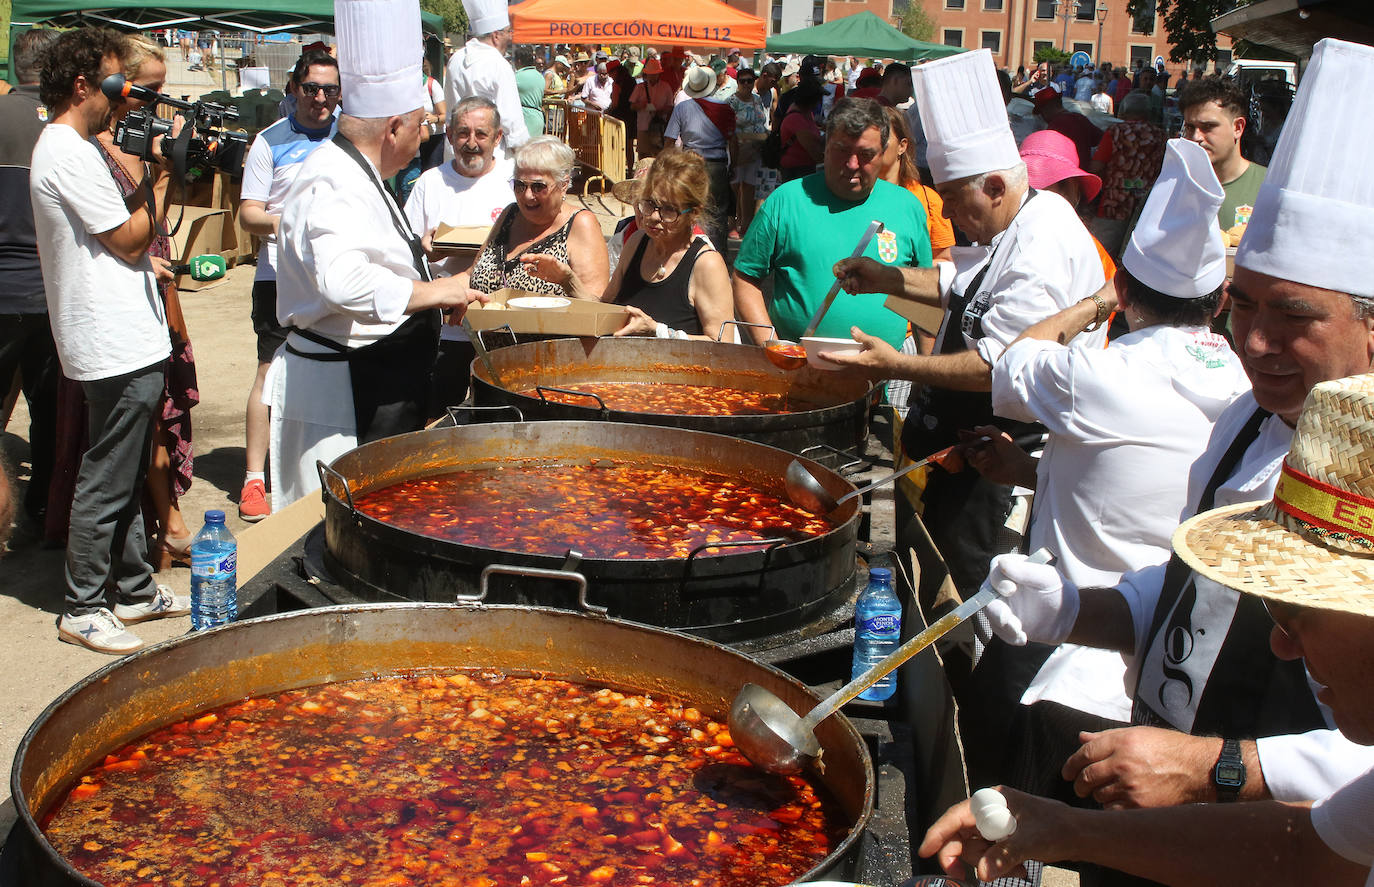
1181	656
887	246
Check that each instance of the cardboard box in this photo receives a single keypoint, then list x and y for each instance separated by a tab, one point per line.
202	231
579	318
927	317
464	237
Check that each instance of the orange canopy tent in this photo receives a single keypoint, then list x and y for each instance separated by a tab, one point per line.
681	23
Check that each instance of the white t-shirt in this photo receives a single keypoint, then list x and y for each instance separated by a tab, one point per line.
107	317
273	162
1345	821
443	196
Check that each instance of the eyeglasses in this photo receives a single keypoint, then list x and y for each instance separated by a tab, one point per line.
665	211
538	188
331	90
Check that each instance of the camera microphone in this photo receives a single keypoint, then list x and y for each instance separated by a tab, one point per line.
116	88
207	267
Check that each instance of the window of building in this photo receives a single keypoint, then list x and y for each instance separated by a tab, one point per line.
1044	9
992	5
818	12
1038	45
991	40
1145	54
1084	47
777	17
1143	22
954	37
954	4
1085	11
1223	59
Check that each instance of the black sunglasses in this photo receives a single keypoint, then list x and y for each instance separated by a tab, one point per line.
331	90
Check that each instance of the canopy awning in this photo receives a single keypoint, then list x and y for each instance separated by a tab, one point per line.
296	16
1294	26
862	34
680	23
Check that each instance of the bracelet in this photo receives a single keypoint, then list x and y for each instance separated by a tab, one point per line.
1102	312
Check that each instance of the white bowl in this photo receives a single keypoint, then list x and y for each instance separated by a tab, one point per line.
538	302
814	345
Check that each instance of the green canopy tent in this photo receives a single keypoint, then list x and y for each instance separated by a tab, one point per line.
864	35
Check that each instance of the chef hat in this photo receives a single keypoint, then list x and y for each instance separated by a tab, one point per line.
486	16
964	117
1313	221
1176	246
380	48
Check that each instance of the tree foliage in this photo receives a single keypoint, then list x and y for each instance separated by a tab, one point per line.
916	23
1052	55
1188	25
455	17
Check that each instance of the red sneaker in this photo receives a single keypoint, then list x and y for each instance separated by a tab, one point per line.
253	504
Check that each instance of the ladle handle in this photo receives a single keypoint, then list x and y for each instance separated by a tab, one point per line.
888	663
853	494
873	228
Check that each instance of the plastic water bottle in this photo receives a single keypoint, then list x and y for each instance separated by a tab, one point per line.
214	574
877	631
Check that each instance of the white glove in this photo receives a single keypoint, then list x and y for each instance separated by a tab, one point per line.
1036	603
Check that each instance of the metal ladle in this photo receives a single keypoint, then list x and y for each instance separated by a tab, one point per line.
805	489
775	738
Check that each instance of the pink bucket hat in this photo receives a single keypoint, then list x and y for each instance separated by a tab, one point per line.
1051	157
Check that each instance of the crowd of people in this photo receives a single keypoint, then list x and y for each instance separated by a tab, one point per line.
1187	439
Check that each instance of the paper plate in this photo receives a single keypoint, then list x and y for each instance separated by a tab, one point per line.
538	302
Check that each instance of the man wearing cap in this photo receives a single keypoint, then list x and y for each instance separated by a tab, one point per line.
1302	313
652	101
1125	424
352	280
809	222
1313	584
704	125
1049	106
480	68
1034	258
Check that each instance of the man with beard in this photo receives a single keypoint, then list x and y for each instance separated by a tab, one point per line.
467	191
110	327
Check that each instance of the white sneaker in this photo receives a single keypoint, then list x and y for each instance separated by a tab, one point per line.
164	603
100	631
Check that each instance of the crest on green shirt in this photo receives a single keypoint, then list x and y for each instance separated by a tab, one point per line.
887	246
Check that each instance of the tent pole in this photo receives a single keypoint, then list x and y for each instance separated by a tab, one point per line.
223	75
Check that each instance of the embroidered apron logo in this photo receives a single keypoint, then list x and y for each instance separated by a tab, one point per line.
1200	354
887	246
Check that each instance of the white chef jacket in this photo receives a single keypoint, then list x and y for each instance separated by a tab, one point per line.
1125	424
1345	821
1043	262
1297	767
478	69
345	272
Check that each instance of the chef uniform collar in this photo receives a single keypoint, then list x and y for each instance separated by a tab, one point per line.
1313	220
380	48
964	117
1176	247
486	16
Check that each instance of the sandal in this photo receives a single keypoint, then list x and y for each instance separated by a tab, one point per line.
173	550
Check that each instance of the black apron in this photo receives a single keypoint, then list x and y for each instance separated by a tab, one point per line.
964	513
1250	692
390	377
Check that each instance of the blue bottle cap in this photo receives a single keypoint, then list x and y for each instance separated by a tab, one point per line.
882	574
214	516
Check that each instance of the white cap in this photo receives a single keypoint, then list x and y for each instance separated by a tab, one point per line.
1176	246
964	117
380	48
486	16
1313	221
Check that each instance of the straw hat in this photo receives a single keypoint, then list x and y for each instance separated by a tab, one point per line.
581	57
1312	545
629	190
699	82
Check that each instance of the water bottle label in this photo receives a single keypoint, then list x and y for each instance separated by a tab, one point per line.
883	623
214	565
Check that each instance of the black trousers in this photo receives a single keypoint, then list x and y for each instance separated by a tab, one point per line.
27	348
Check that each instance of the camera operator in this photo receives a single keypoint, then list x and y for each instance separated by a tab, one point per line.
111	331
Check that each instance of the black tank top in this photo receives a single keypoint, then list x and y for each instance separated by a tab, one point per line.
666	301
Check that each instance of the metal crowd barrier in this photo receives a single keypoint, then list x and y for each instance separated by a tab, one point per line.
596	138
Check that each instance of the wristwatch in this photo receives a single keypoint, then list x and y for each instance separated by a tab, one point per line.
1228	775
